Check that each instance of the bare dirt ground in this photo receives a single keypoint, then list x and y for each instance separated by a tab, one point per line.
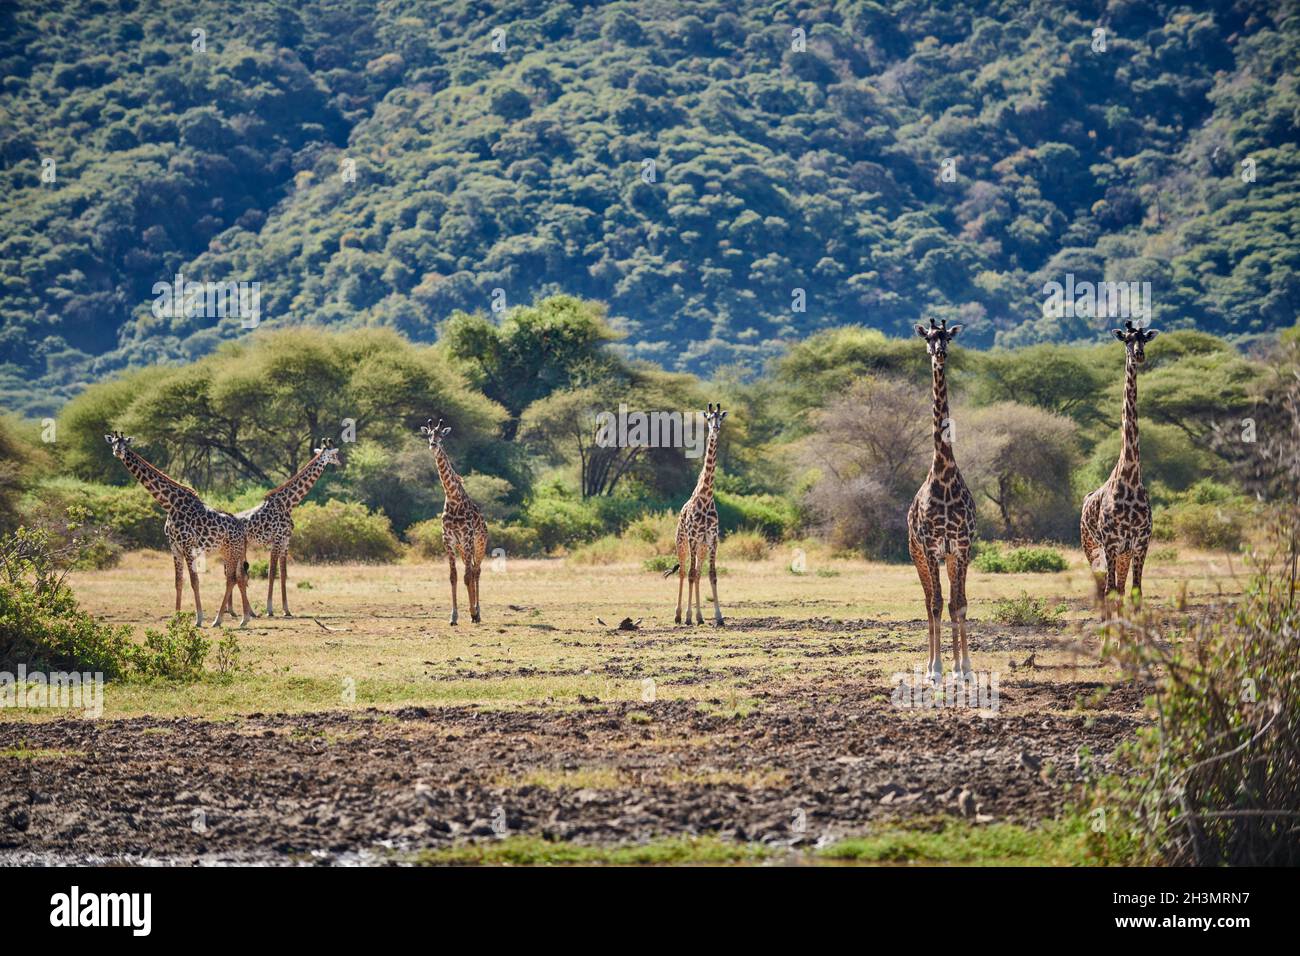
779	729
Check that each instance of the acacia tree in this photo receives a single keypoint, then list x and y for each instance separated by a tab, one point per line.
565	428
1020	459
254	409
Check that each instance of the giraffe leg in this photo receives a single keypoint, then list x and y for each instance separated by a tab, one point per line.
1121	575
1112	559
1092	551
228	563
713	582
477	614
681	580
936	619
241	578
272	569
194	586
693	593
284	580
1139	559
957	613
177	561
451	562
927	585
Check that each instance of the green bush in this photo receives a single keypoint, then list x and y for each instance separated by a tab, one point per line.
342	531
660	562
175	654
991	559
1208	515
425	539
773	517
560	522
41	624
1026	611
261	568
1214	781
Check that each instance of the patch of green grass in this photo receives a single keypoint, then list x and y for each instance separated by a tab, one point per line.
534	851
956	842
23	752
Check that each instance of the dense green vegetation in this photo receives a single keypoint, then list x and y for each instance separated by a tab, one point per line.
782	162
831	440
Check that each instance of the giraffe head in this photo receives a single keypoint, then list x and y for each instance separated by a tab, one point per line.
119	443
937	338
1135	340
435	433
713	418
329	454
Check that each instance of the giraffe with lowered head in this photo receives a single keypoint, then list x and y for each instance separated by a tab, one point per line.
271	523
1115	526
191	527
464	531
941	520
697	530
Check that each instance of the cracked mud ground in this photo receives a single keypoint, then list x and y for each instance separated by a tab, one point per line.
282	788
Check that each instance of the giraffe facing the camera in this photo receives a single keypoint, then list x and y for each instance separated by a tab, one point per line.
464	530
1115	525
191	527
941	520
697	530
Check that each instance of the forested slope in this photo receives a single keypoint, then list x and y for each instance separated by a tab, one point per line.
777	166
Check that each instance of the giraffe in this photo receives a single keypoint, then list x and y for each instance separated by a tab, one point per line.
1115	526
697	530
941	520
271	523
464	532
191	527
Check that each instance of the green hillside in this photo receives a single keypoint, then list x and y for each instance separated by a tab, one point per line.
781	162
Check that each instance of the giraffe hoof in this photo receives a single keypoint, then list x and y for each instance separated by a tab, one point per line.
677	619
286	614
719	622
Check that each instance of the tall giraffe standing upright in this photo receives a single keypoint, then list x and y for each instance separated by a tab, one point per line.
697	530
191	527
941	520
464	532
271	523
1115	526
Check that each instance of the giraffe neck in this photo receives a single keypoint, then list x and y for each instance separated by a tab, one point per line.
704	487
166	491
297	487
943	460
1130	466
452	485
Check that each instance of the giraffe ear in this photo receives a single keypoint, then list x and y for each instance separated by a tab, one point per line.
920	330
424	430
953	330
109	439
1118	333
446	431
722	416
1152	333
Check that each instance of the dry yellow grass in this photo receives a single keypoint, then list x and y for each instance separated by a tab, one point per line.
388	642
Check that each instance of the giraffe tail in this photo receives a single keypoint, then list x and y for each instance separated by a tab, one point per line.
673	570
